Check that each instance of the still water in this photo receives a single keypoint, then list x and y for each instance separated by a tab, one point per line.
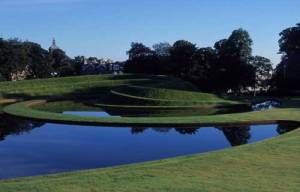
29	148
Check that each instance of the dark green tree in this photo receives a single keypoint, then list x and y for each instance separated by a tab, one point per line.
288	71
38	65
141	60
182	54
61	63
162	49
163	54
263	73
201	71
233	70
13	59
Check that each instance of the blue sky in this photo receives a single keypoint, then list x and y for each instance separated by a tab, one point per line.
105	28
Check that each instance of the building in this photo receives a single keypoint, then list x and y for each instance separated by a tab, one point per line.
53	46
93	65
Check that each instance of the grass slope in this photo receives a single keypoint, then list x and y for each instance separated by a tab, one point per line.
156	90
25	110
69	86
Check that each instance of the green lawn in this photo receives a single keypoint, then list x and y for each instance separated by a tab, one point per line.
271	165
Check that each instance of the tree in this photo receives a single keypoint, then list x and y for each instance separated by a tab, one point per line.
38	65
163	54
233	56
162	49
61	63
141	59
201	71
288	71
290	40
13	59
77	63
182	54
263	72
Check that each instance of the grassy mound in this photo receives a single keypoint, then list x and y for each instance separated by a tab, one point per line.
26	110
109	89
143	95
70	87
140	95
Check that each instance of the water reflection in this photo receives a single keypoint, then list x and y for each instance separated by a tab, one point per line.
15	126
158	113
284	128
237	135
29	148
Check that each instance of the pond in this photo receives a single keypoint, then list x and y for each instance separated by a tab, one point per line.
88	108
156	112
161	113
106	112
34	148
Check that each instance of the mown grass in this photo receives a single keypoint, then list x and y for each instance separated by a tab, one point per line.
118	97
101	86
92	85
24	109
167	94
61	106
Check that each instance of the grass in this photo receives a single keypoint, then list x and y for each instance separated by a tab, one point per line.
104	87
25	110
166	96
271	165
153	94
61	106
69	86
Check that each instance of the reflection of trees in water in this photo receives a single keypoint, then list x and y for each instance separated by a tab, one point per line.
187	130
15	126
137	130
183	131
237	135
161	129
284	127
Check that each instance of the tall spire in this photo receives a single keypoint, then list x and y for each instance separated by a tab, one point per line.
53	46
53	42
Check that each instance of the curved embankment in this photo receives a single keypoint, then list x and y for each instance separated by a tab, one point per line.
25	110
4	102
151	96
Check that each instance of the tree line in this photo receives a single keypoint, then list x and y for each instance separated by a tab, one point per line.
227	66
28	60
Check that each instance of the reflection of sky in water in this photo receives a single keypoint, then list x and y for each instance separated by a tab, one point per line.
55	148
